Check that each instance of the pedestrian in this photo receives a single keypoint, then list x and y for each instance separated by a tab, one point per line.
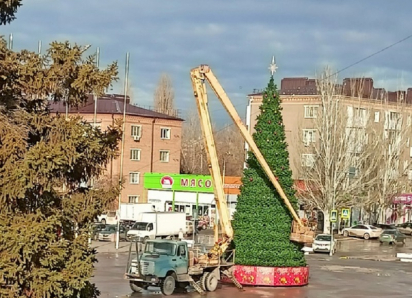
181	234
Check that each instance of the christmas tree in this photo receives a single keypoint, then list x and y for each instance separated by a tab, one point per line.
262	223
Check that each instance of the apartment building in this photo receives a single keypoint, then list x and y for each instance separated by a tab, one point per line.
152	141
300	102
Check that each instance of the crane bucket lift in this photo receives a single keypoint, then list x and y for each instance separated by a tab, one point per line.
199	76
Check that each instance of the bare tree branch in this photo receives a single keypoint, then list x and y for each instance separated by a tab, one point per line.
164	96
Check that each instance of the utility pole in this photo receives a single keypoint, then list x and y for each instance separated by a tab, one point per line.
94	93
11	41
126	83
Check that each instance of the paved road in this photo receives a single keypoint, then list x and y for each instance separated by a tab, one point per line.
346	247
329	277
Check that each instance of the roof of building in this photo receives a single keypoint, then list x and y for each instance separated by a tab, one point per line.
109	104
306	86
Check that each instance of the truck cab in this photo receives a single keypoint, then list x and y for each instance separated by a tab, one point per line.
162	263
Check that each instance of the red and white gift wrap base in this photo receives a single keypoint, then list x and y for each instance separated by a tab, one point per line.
271	276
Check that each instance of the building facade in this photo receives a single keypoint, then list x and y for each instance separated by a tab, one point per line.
364	107
301	105
192	194
152	141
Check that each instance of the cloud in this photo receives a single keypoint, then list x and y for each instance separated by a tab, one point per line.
236	38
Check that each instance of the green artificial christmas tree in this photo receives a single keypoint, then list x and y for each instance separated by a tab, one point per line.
262	223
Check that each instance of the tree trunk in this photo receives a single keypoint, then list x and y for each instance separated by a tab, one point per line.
382	215
326	222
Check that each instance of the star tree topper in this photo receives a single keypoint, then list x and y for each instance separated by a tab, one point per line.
273	66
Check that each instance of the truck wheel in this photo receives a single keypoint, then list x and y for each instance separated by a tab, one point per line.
211	282
202	281
136	286
168	285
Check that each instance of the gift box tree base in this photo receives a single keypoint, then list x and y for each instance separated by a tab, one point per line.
262	223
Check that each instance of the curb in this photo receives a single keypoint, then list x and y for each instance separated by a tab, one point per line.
383	259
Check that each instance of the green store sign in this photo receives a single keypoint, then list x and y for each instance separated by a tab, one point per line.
178	182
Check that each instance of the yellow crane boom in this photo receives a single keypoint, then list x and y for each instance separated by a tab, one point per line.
199	76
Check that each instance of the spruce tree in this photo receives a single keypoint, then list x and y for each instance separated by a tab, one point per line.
262	222
44	158
8	10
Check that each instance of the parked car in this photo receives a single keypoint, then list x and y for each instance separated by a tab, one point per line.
385	226
392	237
95	229
362	231
322	243
203	223
109	233
405	228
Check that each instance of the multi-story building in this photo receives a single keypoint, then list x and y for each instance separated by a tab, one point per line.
301	104
152	141
366	108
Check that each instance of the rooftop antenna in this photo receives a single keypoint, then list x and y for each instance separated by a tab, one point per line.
126	83
11	41
39	48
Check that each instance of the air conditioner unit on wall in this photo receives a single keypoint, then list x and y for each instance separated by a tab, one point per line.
136	138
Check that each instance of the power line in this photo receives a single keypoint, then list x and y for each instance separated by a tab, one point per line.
339	71
374	54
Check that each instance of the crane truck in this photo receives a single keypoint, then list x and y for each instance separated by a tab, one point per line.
169	264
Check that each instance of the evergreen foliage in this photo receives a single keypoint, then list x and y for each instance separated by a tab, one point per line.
262	222
39	154
8	9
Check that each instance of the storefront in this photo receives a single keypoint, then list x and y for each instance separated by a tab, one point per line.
192	194
401	210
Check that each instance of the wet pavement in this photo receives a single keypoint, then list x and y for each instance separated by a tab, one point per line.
371	249
339	276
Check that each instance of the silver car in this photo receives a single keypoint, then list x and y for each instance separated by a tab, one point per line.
405	228
362	231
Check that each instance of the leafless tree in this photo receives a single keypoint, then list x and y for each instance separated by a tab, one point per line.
164	96
229	146
336	154
193	156
392	175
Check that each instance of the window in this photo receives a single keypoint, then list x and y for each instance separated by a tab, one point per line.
165	133
134	178
394	116
353	172
182	251
136	130
133	199
164	156
309	136
360	117
135	154
377	116
311	111
308	160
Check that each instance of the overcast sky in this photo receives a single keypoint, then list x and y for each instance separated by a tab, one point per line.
236	38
